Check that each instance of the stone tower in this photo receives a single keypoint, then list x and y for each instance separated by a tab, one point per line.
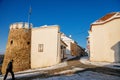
18	47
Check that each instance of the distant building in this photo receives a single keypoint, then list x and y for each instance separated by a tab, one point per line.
72	47
104	37
63	50
88	46
77	50
68	41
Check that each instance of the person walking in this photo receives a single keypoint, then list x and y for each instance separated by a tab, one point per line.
9	69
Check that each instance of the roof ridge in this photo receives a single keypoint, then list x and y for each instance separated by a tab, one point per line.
107	17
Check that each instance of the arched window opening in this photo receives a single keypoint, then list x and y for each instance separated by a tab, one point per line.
11	42
28	43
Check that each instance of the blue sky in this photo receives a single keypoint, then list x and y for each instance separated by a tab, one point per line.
73	16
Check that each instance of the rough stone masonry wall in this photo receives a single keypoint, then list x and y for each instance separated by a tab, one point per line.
74	49
18	49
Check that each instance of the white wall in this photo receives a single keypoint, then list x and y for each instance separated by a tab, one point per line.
50	38
105	42
67	41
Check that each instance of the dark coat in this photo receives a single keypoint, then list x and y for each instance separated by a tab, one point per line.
10	66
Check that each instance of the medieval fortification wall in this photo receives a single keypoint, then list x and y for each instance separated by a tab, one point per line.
18	47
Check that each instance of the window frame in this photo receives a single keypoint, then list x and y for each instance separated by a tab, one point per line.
40	47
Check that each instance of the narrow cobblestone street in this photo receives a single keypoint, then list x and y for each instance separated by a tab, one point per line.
87	75
74	70
86	72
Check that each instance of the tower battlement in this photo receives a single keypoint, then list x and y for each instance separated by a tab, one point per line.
18	47
20	25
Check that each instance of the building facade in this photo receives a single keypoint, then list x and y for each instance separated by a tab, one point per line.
45	46
36	47
104	37
76	50
63	50
88	46
67	41
72	47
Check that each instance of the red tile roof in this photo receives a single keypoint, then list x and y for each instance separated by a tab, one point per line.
108	17
104	18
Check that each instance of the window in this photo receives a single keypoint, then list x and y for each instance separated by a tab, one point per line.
28	43
40	47
11	42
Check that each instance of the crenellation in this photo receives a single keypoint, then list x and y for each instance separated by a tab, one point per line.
21	25
26	25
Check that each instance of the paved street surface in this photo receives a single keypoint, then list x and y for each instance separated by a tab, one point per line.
87	75
70	70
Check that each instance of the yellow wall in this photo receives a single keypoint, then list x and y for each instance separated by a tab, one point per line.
50	38
105	42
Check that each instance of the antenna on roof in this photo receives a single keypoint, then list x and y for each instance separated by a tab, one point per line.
29	14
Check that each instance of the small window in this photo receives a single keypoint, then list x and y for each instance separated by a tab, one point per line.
11	42
28	43
40	47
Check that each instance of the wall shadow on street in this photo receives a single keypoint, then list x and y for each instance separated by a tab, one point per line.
103	70
74	64
99	69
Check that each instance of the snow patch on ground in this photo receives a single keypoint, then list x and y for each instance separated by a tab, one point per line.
33	72
60	65
85	60
69	56
72	70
